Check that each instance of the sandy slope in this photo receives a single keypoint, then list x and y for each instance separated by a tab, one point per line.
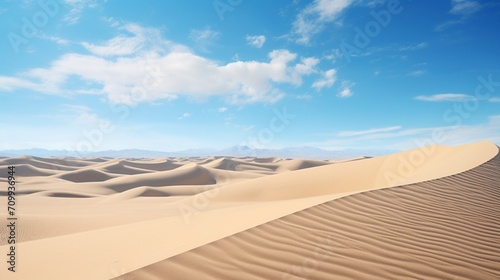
446	228
124	215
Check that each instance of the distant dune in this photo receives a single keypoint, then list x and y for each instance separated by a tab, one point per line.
428	213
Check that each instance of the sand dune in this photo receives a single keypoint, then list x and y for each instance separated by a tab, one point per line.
238	165
120	168
30	170
64	194
297	164
88	175
267	160
156	166
168	191
446	228
263	165
69	161
425	213
98	159
192	174
36	163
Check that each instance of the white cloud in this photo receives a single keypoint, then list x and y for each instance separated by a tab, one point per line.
464	7
368	131
328	79
184	116
221	109
345	89
451	97
313	18
256	41
305	67
494	99
139	65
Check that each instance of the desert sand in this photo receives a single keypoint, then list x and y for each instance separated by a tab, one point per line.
427	213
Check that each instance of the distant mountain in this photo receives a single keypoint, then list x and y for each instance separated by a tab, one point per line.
235	151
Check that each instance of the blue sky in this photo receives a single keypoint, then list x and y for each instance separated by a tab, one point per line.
92	75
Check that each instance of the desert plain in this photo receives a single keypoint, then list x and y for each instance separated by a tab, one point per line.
428	213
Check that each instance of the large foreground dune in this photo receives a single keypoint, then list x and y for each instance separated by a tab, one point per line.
428	213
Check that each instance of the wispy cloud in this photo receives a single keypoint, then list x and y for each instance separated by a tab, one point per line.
184	116
313	18
368	131
55	39
416	73
450	97
345	89
77	7
395	48
256	41
304	96
82	116
221	109
133	39
333	55
396	137
446	25
203	35
414	47
375	3
327	80
464	7
204	38
13	83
